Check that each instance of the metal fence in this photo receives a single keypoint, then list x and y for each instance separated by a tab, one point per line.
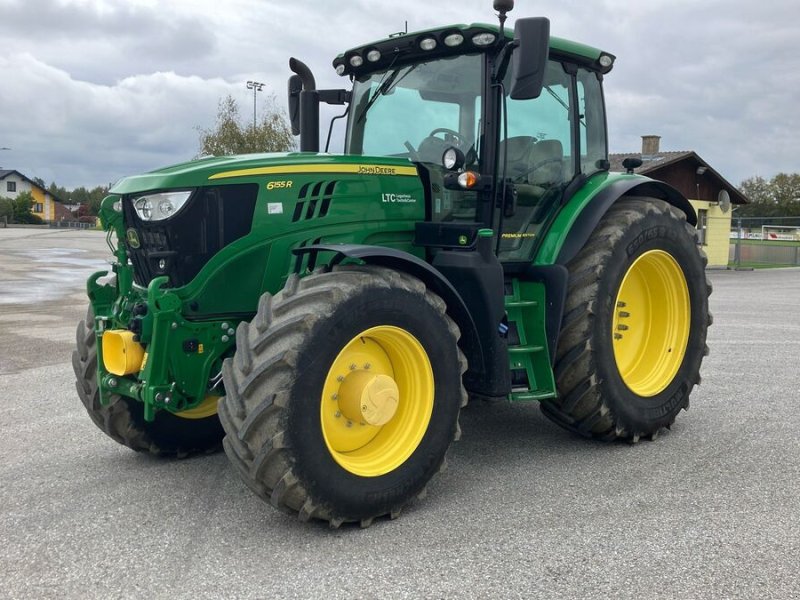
765	242
70	225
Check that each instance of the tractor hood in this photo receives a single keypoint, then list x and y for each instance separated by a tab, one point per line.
217	169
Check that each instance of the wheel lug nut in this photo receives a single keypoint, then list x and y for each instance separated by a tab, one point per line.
353	367
349	423
622	327
340	378
337	414
335	397
367	366
624	315
617	336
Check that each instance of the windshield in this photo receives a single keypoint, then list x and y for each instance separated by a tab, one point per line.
417	110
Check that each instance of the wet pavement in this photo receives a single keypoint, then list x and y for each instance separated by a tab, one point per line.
43	276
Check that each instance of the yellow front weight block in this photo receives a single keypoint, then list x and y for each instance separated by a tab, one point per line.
121	354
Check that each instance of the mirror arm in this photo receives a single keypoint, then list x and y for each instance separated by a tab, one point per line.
504	60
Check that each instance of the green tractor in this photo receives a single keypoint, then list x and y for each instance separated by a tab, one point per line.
325	317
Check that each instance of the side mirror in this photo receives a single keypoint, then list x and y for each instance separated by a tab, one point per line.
529	61
295	87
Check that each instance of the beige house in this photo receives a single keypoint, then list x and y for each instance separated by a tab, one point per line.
711	195
45	206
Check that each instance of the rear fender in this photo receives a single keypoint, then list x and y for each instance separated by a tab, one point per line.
579	218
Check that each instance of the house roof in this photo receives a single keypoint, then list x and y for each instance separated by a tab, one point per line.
6	172
62	213
653	163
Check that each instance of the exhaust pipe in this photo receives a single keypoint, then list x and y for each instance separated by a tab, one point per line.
304	105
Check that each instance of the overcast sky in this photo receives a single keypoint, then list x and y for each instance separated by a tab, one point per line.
93	90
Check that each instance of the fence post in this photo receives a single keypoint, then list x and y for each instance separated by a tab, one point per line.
737	253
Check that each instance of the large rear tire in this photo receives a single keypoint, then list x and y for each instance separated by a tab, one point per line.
634	328
343	395
123	418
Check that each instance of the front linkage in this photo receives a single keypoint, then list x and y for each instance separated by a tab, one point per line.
186	369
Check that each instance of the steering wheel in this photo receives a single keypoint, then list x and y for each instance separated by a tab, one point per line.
460	140
431	148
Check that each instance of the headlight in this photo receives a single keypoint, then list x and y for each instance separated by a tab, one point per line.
483	39
453	159
157	207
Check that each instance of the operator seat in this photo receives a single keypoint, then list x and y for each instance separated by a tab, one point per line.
544	170
519	150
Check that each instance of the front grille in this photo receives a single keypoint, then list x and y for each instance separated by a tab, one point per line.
180	246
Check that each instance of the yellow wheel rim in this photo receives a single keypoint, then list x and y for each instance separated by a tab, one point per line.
650	328
205	409
377	401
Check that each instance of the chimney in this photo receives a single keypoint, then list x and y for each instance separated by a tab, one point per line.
650	145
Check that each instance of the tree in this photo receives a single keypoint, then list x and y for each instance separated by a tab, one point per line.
21	209
6	209
96	196
778	197
59	192
231	136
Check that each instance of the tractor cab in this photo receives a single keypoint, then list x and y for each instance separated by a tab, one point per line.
498	124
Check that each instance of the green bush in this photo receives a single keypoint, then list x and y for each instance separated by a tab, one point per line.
6	209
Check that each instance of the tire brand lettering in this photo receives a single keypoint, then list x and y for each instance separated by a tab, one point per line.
670	405
648	235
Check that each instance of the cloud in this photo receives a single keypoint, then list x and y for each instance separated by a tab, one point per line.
82	133
102	41
95	89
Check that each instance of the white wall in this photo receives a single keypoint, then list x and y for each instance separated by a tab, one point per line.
22	186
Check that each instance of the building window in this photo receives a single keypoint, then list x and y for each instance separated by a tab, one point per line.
11	186
38	207
702	226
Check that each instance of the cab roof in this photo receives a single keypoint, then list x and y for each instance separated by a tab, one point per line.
406	47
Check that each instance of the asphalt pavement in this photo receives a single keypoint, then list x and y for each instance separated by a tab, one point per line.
525	510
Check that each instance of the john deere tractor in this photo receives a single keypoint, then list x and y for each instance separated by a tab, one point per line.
325	317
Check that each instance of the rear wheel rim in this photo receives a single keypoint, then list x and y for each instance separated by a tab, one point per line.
650	328
377	401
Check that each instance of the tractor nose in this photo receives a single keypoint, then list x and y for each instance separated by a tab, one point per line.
121	354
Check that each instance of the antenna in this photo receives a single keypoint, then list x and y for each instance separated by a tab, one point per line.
400	33
503	7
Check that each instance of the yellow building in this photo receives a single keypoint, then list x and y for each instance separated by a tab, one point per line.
45	206
711	195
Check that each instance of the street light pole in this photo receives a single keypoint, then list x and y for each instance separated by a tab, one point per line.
256	86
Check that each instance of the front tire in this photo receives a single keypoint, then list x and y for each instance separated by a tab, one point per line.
343	395
199	431
634	328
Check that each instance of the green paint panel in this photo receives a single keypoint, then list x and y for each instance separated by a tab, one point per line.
302	200
553	240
